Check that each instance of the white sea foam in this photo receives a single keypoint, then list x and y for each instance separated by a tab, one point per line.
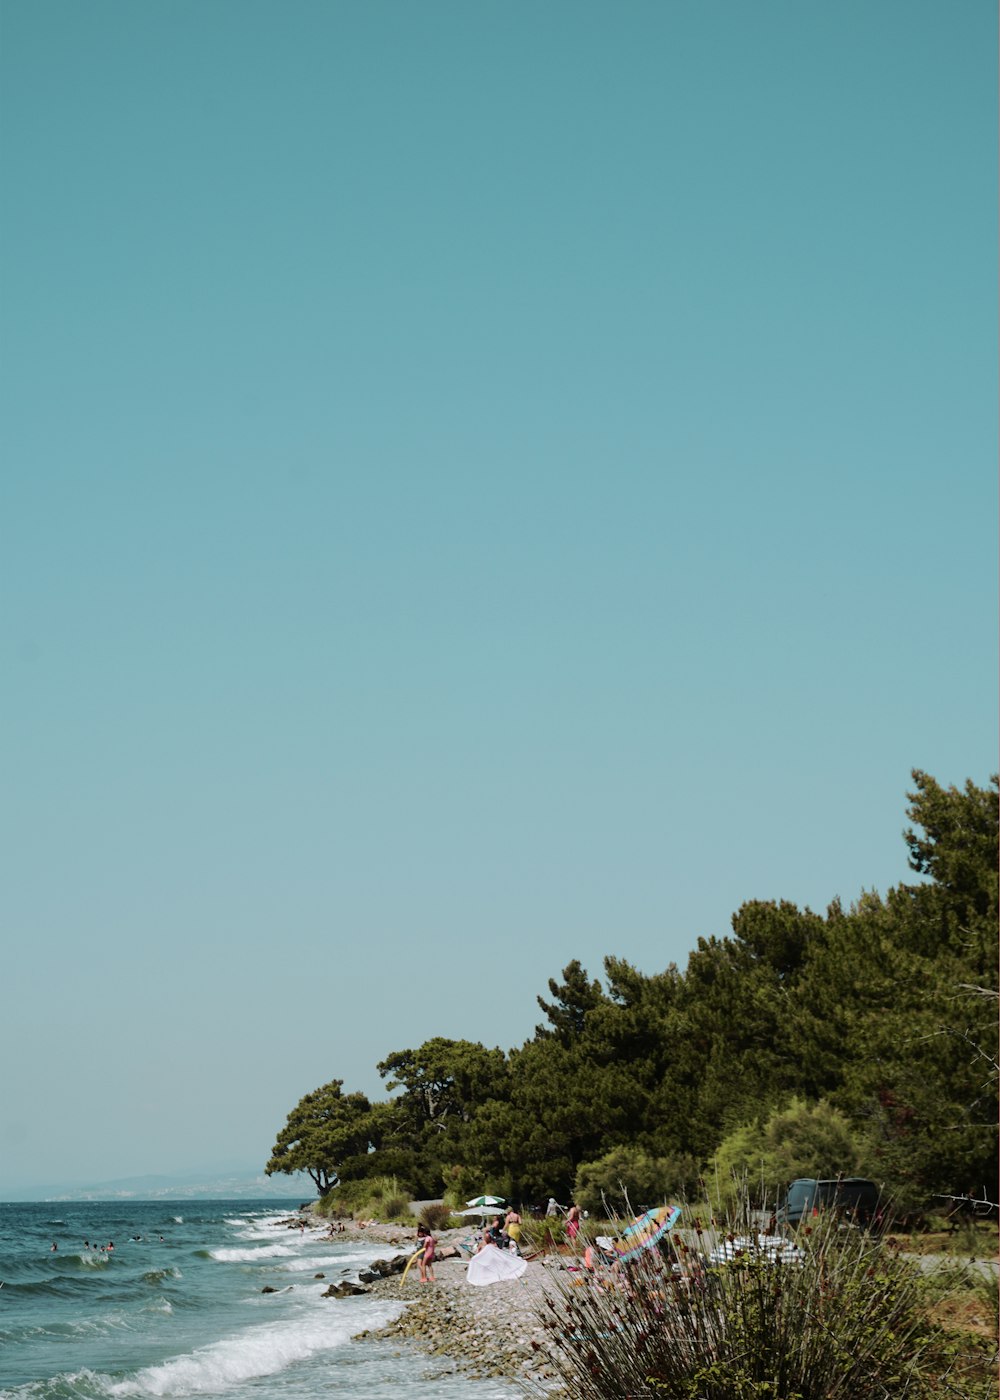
84	1383
251	1256
254	1228
260	1351
309	1264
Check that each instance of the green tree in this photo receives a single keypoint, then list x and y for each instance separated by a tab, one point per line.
444	1080
444	1084
923	1078
572	1000
629	1179
956	844
324	1130
800	1140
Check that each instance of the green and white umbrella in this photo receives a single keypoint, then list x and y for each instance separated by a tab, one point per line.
485	1202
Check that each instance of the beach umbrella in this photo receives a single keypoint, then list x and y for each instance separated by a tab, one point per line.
480	1211
645	1230
492	1265
485	1201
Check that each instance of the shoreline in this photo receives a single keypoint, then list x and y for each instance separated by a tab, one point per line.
490	1333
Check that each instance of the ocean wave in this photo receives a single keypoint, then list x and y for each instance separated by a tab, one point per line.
260	1351
250	1256
57	1286
70	1385
255	1228
346	1263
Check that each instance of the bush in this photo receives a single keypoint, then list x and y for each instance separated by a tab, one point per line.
800	1140
435	1216
627	1180
538	1235
847	1321
383	1196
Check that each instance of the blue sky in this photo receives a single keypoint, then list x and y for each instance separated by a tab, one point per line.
484	485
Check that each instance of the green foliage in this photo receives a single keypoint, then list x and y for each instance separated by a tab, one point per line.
444	1084
627	1179
847	1321
435	1216
956	844
324	1130
539	1235
572	1001
464	1182
800	1140
379	1197
863	1040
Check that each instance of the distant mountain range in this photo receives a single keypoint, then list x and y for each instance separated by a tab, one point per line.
178	1186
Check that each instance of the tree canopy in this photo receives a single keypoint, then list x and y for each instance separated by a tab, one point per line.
861	1040
324	1130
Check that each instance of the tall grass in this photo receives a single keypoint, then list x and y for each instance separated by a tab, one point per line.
846	1321
382	1197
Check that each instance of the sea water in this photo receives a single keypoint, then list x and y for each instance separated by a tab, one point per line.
177	1308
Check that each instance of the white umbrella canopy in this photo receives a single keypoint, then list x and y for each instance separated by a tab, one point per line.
480	1211
492	1265
485	1201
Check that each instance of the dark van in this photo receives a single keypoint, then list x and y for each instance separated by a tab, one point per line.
852	1196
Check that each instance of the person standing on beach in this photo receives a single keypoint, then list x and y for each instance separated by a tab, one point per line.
513	1226
572	1222
426	1261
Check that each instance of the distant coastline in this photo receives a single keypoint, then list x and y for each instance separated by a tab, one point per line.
176	1186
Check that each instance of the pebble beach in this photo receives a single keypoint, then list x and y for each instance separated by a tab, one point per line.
493	1332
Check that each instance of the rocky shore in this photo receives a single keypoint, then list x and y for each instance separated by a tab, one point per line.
492	1332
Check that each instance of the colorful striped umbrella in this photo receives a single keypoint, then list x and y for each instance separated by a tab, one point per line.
645	1230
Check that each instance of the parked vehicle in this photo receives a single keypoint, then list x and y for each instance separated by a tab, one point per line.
854	1197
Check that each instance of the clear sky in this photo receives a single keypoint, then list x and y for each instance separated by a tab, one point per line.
483	484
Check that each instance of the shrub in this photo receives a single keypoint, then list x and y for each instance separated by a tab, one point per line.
382	1196
538	1235
846	1321
800	1140
627	1178
435	1216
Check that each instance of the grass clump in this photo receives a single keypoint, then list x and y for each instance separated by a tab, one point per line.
436	1216
377	1197
843	1318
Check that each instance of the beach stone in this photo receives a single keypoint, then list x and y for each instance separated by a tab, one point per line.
319	1275
268	1289
366	1276
343	1290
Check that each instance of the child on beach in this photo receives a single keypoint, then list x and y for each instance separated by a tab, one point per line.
426	1261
